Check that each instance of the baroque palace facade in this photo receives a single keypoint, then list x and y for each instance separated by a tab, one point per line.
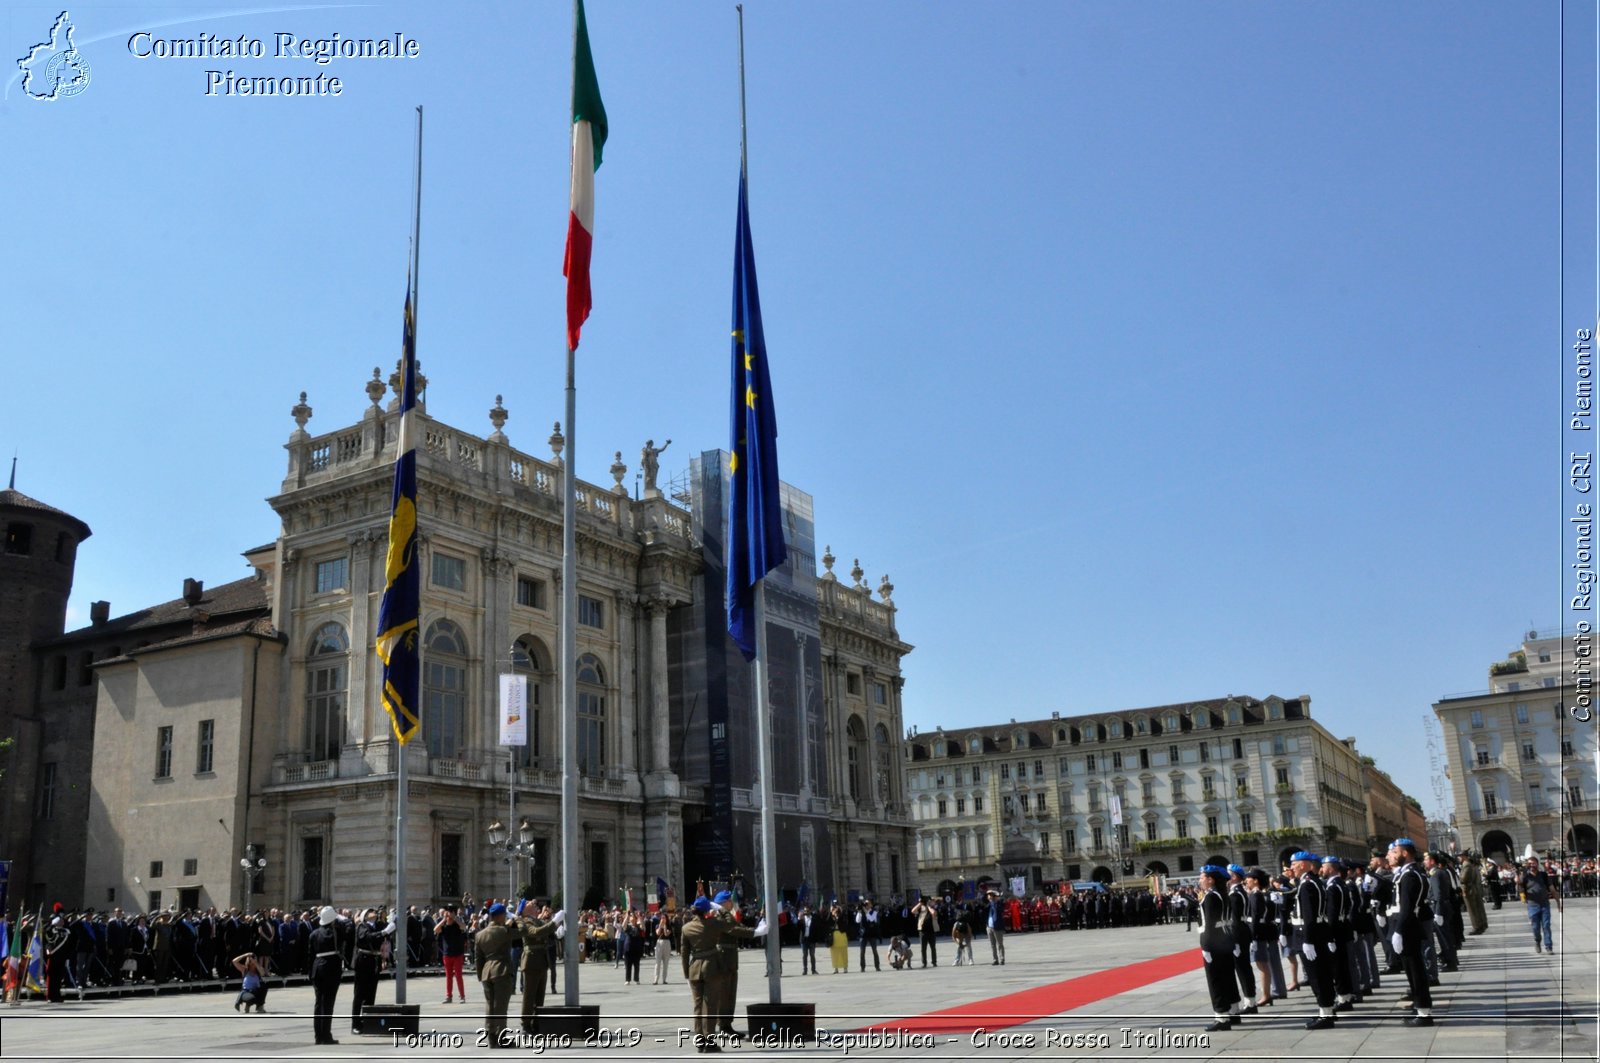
1521	754
250	724
1134	793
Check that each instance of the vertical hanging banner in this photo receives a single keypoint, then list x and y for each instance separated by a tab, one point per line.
513	710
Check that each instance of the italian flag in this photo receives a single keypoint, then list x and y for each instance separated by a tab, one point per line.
588	140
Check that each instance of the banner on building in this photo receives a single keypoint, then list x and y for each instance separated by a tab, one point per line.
513	710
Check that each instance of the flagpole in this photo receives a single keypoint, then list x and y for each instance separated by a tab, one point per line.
769	840
402	923
570	839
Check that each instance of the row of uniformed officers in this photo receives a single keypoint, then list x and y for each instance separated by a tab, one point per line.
1329	917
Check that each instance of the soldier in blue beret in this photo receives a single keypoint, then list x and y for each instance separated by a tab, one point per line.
1218	949
1339	933
1239	928
1312	935
1409	918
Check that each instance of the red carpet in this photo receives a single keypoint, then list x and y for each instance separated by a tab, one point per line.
1014	1009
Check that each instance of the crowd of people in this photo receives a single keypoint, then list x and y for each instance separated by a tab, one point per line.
1402	911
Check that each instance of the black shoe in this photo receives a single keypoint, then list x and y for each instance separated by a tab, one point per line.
1419	1020
235	1005
1450	968
1346	1006
1321	1022
711	1046
1219	1026
1233	1020
1248	1009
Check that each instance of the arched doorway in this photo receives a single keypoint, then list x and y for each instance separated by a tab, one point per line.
1156	867
1581	840
1220	861
1498	846
1103	875
948	888
1285	854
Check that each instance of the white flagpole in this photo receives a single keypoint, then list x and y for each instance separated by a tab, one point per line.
570	838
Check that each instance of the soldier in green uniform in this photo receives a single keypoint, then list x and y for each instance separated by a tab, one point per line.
706	968
492	943
537	931
1472	889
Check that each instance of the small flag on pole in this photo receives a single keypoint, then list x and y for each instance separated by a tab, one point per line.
588	142
755	522
397	615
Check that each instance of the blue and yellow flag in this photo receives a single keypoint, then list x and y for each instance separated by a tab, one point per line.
755	519
397	616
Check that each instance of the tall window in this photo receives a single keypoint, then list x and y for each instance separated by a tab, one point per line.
333	574
1148	792
856	744
1149	830
881	733
205	745
444	689
591	716
528	658
327	665
1522	712
1069	840
1183	828
530	592
1491	803
449	572
47	791
1099	839
1211	824
311	868
450	865
164	753
1244	822
591	611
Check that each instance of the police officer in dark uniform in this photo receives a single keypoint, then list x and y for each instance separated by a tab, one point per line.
57	943
1218	949
327	967
1239	930
368	961
1336	933
1409	920
1312	935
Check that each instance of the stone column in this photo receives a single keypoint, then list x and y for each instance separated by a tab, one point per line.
873	799
627	682
660	710
498	584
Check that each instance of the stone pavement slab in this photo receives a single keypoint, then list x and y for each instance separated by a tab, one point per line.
1505	1002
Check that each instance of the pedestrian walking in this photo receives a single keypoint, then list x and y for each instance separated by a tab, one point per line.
1535	886
996	927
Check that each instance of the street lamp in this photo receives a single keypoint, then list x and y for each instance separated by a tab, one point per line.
252	863
499	838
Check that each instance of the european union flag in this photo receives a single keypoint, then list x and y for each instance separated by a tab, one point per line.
755	519
397	615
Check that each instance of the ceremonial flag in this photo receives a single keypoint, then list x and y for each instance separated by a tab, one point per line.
625	895
35	979
755	520
397	615
588	141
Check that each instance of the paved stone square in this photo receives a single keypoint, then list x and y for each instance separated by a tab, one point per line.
1504	1001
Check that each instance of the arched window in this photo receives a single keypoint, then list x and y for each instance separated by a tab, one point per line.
528	658
1116	728
327	669
444	689
591	716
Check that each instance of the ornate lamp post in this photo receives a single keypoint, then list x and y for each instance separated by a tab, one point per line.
252	863
499	838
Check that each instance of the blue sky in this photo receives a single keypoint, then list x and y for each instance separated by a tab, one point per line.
1157	351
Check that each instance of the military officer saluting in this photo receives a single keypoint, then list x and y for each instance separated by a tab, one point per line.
327	967
1217	948
536	931
706	969
368	960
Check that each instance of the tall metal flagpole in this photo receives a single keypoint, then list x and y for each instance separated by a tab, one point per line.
769	840
399	747
569	656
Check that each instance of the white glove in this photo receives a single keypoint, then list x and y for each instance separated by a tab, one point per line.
1383	920
1438	920
1310	950
1333	946
1236	950
390	928
1283	941
1398	943
559	918
1206	954
761	929
561	932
